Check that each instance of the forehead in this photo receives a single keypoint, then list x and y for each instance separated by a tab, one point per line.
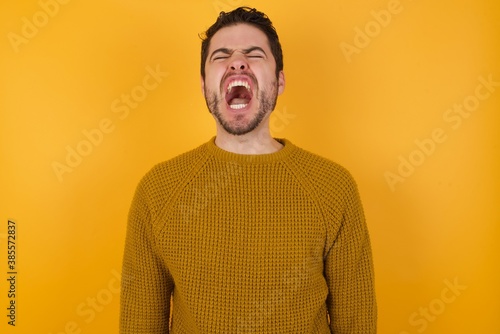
239	36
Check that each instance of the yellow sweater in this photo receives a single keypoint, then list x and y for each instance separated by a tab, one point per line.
273	243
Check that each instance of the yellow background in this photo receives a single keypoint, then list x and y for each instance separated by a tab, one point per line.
438	225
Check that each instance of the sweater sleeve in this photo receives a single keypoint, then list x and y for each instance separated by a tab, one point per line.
349	272
146	283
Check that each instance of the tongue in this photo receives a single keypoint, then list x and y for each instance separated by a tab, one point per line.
239	101
238	95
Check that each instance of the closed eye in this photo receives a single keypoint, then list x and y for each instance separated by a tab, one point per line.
220	54
255	52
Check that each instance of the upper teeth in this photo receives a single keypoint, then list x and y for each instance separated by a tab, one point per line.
236	84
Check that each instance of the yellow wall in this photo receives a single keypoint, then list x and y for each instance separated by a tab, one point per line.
374	85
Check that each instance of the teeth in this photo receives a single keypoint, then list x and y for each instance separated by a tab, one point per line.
236	84
238	106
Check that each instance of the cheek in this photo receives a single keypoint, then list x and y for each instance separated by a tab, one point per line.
214	73
212	82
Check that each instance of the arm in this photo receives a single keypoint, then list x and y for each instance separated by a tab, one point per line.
349	273
146	283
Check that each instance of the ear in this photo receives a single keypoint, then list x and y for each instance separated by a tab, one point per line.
202	82
281	82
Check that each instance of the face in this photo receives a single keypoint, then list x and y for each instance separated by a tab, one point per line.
240	86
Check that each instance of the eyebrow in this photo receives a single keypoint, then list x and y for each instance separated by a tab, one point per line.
244	51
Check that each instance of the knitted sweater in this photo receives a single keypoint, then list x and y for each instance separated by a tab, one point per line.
219	242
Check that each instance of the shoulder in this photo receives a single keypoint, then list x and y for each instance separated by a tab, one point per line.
321	171
175	168
330	185
161	181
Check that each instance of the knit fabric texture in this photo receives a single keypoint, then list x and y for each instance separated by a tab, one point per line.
219	242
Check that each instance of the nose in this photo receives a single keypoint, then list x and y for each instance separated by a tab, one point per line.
238	63
235	67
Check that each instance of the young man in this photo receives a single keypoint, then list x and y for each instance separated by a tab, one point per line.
246	233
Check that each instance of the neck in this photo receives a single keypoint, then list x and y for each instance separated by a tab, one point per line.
258	141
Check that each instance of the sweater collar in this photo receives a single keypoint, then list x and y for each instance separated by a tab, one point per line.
277	156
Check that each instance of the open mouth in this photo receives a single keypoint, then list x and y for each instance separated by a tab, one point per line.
238	94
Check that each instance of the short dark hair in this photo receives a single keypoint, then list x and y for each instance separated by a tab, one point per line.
249	16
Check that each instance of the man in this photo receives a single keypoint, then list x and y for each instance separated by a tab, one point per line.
246	233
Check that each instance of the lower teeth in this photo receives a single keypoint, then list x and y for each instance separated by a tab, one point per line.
238	106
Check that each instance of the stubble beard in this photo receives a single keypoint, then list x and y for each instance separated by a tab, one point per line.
239	125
